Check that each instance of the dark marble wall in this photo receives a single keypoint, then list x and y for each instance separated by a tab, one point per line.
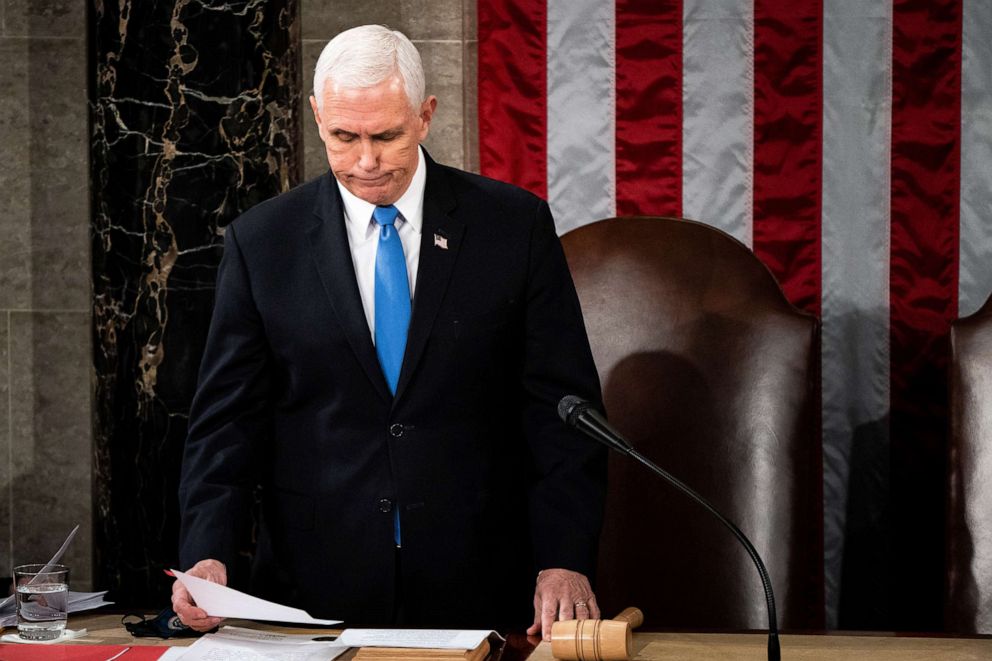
196	114
195	118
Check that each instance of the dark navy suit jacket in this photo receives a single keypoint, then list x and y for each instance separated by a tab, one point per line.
490	485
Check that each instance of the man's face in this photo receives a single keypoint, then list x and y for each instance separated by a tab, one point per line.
371	137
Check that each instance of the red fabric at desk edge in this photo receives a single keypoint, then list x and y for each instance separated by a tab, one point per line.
14	652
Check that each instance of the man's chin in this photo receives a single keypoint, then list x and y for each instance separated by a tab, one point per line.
374	193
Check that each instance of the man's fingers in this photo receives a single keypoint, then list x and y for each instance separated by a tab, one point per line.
194	617
594	612
179	592
535	628
182	602
563	595
587	609
211	570
204	624
189	614
549	610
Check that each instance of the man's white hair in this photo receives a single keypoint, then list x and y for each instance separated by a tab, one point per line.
367	55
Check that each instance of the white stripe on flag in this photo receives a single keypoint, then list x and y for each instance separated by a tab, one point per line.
718	111
857	100
581	111
975	273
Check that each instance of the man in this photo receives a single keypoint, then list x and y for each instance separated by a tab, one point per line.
412	467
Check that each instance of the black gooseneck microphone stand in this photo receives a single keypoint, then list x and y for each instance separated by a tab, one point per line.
578	413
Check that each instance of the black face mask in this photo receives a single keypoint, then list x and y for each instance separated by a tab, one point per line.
164	625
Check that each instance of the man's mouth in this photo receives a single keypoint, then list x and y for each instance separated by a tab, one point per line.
370	180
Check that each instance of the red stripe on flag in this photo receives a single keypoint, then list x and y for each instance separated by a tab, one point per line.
788	83
649	107
926	114
513	106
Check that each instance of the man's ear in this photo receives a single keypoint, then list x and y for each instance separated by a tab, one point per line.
427	109
316	115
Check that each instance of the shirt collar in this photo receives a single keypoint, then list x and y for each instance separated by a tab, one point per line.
358	212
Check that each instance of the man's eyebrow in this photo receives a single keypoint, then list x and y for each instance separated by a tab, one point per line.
388	133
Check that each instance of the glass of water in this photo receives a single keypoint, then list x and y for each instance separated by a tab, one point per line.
42	600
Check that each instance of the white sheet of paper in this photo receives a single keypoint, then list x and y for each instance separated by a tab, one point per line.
221	601
215	647
448	639
256	635
219	649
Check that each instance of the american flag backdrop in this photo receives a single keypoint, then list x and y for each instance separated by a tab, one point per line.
849	143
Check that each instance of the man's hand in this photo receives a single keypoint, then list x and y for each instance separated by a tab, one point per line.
561	595
193	617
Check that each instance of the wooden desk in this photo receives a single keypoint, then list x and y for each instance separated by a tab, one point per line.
107	630
832	647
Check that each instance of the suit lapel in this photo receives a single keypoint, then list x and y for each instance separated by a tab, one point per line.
435	267
332	256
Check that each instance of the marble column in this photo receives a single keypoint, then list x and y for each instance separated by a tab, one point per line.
45	349
195	118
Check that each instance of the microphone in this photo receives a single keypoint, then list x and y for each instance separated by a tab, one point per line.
577	412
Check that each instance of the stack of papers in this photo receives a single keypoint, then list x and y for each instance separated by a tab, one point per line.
78	601
445	639
417	644
238	644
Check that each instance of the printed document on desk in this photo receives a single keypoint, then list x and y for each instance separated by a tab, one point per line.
450	639
221	601
237	644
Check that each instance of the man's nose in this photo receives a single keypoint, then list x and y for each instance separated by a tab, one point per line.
369	159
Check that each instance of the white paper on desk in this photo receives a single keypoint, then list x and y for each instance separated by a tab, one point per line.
222	601
78	601
448	639
244	634
215	647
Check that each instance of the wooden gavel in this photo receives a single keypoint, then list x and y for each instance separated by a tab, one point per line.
595	640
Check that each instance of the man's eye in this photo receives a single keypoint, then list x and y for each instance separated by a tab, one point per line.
387	137
344	137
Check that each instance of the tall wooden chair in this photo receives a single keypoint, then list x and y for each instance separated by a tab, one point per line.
968	605
711	373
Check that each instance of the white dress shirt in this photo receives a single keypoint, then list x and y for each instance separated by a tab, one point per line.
363	235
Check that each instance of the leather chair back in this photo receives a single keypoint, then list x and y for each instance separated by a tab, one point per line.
711	373
969	552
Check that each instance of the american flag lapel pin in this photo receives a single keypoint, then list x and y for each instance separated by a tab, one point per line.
440	241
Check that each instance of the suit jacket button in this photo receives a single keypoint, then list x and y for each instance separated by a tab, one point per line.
396	430
385	506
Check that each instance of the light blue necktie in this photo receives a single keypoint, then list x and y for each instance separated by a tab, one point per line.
392	309
392	296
